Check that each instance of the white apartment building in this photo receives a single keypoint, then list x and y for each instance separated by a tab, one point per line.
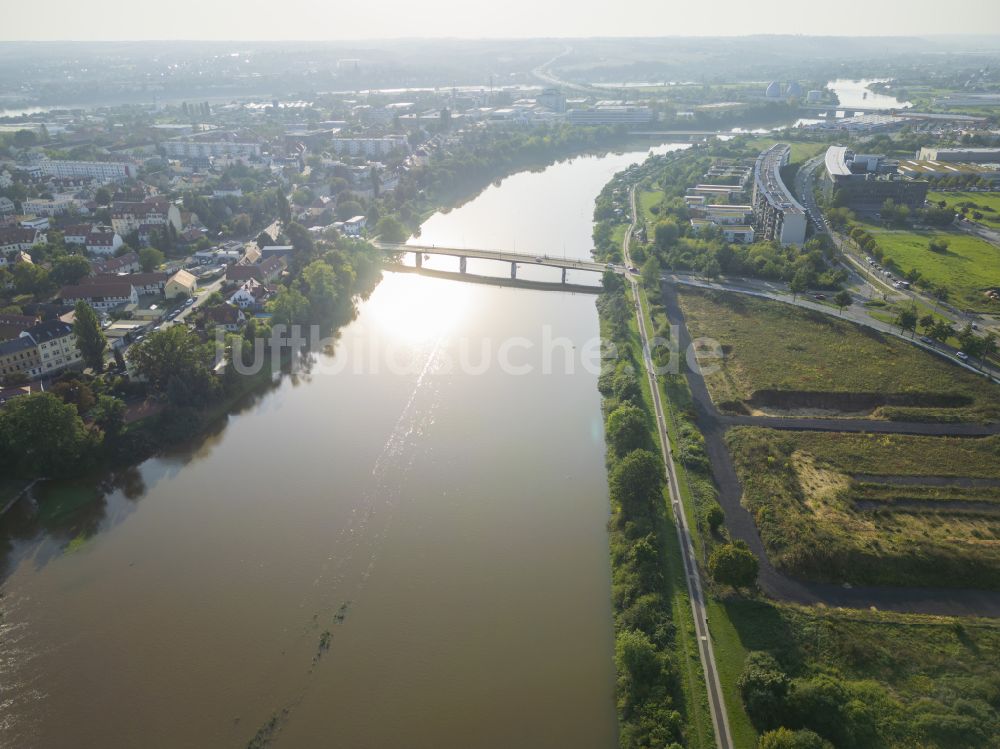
102	171
193	149
56	344
371	147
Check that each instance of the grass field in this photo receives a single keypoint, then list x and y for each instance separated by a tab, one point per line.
785	360
982	200
805	507
969	267
903	455
913	673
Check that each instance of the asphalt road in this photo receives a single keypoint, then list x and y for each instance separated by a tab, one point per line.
716	701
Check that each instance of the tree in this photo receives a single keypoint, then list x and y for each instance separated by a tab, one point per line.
987	348
77	394
30	278
89	336
109	414
941	331
763	686
389	229
651	275
938	245
637	483
321	289
799	282
927	323
173	353
627	429
906	319
348	209
637	661
288	308
715	517
733	564
41	436
785	738
102	196
300	238
665	234
150	258
25	138
842	299
69	269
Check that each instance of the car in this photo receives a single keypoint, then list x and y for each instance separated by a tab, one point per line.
610	266
538	259
925	339
819	296
962	355
189	302
633	269
975	327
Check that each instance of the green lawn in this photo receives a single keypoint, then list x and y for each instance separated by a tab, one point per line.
981	201
784	360
967	269
801	152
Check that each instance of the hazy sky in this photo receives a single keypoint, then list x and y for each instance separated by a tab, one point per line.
379	19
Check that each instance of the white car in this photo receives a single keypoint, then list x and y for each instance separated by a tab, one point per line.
962	355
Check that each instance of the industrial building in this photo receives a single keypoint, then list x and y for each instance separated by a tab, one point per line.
777	215
964	155
103	171
610	114
863	182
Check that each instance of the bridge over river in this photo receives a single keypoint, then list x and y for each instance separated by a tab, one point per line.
504	256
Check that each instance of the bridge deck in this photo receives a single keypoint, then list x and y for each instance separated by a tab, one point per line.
503	256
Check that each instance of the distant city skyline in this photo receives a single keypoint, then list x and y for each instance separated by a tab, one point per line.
387	19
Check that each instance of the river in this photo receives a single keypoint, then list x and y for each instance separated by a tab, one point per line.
855	93
404	546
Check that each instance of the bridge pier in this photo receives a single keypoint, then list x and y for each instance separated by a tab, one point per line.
513	270
419	256
461	264
564	275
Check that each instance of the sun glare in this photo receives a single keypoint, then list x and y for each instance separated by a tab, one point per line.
415	309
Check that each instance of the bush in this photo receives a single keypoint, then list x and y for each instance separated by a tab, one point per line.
733	564
763	686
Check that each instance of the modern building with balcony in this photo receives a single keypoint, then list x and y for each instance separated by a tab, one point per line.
777	215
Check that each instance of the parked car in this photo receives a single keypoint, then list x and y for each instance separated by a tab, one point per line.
925	339
962	355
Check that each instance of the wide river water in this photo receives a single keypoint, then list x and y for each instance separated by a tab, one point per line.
404	547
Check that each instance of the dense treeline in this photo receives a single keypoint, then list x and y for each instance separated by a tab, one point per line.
649	694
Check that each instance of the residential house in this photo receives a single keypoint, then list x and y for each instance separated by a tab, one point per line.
7	207
77	234
250	295
146	284
101	296
12	325
266	270
276	250
104	242
225	316
127	216
19	356
354	226
127	263
17	239
57	206
181	283
38	223
56	344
